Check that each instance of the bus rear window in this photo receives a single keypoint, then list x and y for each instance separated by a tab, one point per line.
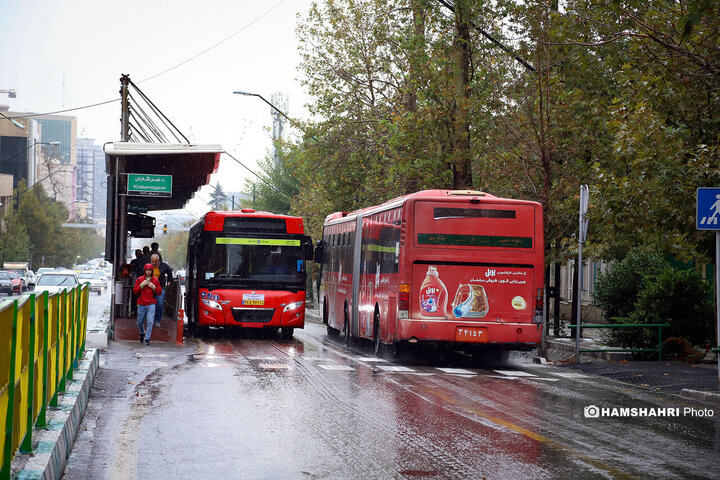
444	212
465	225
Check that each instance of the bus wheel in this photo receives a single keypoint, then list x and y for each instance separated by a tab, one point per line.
286	333
379	347
346	329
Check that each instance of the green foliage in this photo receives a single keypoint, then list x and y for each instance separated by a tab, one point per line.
278	186
14	240
617	290
681	298
642	288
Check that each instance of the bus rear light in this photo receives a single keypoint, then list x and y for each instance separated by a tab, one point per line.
403	300
519	331
539	299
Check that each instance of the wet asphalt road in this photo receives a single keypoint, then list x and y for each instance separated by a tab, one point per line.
234	405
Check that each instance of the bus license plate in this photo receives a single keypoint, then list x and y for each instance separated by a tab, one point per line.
253	299
471	334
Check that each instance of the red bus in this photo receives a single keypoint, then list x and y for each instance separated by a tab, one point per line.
461	268
247	269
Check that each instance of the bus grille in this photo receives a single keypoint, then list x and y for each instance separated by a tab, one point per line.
251	315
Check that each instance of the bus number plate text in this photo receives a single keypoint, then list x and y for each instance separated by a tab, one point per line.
253	299
471	334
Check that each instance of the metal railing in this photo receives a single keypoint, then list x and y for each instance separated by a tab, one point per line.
657	349
42	338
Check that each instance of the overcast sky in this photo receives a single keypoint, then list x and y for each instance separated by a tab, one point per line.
66	54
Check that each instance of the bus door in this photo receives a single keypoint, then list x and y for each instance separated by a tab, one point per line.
356	275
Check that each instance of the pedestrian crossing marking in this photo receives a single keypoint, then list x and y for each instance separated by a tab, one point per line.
395	368
568	374
460	371
337	367
372	360
504	377
274	366
515	373
267	359
151	355
545	379
153	363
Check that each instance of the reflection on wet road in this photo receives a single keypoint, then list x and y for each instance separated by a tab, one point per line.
265	408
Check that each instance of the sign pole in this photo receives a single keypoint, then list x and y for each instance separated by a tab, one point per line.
582	233
717	296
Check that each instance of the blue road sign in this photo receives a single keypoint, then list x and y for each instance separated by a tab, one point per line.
708	209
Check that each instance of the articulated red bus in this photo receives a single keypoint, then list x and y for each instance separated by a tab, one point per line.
247	269
461	268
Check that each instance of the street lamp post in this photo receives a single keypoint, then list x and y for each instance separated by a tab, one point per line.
247	94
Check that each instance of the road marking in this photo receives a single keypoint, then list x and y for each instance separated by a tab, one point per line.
274	366
514	373
152	363
267	359
460	371
568	374
395	368
372	360
504	377
214	365
151	355
336	367
545	379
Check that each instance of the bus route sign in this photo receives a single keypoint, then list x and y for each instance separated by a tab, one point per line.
148	185
708	208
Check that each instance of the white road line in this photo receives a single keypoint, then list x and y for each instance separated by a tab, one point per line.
460	371
514	373
337	367
395	368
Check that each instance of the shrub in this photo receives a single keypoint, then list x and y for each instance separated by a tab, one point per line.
617	290
680	298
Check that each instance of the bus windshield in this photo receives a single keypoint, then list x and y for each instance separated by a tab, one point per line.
253	262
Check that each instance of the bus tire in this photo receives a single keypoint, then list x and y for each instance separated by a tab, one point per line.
378	346
286	333
346	328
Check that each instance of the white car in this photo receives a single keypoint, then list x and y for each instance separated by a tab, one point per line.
54	282
97	284
103	276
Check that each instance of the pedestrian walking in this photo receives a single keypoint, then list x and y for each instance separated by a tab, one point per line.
147	288
162	272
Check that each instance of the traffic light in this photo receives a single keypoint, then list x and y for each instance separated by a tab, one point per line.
165	229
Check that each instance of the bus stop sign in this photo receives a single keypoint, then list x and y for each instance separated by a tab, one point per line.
708	209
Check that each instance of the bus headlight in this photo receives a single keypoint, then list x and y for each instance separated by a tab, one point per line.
293	306
211	304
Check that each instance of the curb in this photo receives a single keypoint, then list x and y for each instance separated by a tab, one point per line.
701	395
52	444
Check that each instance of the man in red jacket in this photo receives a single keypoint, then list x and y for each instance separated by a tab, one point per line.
146	288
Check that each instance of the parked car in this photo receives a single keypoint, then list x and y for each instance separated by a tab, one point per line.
6	285
180	274
17	282
54	282
96	283
42	270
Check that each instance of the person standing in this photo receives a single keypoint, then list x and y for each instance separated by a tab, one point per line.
162	272
147	288
155	250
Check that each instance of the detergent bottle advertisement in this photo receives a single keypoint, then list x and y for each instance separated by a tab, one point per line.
474	293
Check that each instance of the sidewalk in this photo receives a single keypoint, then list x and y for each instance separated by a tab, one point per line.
693	381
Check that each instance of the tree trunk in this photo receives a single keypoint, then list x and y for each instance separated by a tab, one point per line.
461	155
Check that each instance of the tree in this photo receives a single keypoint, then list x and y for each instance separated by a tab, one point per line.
277	186
14	240
218	199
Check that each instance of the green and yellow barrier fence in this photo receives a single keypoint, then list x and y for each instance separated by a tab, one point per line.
42	338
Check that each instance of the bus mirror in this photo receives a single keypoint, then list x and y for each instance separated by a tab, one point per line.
308	248
319	247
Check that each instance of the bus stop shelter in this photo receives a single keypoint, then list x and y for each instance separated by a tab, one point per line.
142	178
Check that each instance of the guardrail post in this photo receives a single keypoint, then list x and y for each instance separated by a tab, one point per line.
7	447
660	343
42	416
26	444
